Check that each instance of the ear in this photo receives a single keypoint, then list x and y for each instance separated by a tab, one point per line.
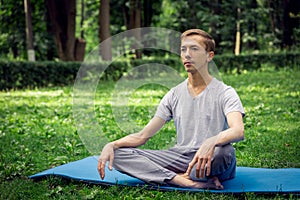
210	56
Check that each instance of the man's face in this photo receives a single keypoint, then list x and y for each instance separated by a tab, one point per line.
193	54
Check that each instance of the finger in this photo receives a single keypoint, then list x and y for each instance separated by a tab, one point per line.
202	169
208	167
99	166
110	164
198	168
102	170
191	165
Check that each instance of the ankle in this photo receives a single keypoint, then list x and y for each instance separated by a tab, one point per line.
182	180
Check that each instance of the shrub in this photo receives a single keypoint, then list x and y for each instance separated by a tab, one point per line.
229	63
22	74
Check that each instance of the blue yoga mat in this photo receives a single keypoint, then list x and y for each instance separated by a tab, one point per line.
258	180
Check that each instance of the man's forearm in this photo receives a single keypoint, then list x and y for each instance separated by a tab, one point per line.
229	136
132	140
140	138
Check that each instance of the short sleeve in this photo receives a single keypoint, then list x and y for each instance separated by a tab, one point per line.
164	109
232	102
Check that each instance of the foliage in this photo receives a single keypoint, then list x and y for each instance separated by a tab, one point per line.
21	74
12	30
37	131
229	63
90	26
13	35
261	24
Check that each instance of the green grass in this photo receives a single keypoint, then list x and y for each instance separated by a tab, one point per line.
37	132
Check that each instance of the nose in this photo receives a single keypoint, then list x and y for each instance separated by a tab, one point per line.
187	54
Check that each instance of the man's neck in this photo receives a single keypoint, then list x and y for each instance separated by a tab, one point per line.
198	82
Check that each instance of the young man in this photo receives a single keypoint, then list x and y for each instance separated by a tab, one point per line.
208	117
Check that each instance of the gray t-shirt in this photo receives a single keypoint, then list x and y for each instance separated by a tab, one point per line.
198	118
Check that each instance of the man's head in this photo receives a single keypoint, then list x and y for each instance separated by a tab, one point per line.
205	39
197	50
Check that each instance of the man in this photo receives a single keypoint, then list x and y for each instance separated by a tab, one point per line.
208	117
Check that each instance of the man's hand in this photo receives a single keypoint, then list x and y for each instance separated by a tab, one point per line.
107	154
203	158
132	140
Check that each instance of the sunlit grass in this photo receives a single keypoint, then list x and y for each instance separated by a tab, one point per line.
37	131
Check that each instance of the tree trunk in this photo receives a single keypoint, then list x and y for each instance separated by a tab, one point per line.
276	8
79	49
50	43
126	15
104	31
291	18
252	25
216	10
62	16
135	22
82	19
237	48
147	12
80	42
29	32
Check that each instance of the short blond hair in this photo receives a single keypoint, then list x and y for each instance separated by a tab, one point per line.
206	38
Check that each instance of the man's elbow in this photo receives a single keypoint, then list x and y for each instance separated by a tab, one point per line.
241	133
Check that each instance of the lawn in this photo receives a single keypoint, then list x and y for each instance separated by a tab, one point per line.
37	132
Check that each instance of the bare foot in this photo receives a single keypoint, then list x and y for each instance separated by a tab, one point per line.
217	183
184	180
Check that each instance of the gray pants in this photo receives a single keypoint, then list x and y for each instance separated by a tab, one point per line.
160	166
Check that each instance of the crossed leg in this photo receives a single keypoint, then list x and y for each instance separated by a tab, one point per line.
223	168
184	180
169	167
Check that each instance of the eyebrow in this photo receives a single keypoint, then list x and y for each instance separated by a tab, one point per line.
189	46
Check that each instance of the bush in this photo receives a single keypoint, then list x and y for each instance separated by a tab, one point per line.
22	74
230	63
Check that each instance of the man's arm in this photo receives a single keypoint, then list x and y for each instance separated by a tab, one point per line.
132	140
234	133
140	138
203	157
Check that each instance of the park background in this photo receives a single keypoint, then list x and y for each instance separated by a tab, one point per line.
43	44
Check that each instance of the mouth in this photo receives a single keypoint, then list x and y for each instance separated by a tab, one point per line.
187	63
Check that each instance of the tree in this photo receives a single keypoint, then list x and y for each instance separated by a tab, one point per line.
237	48
80	42
265	25
104	30
62	17
147	13
291	18
136	22
214	23
12	31
133	20
29	34
250	21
